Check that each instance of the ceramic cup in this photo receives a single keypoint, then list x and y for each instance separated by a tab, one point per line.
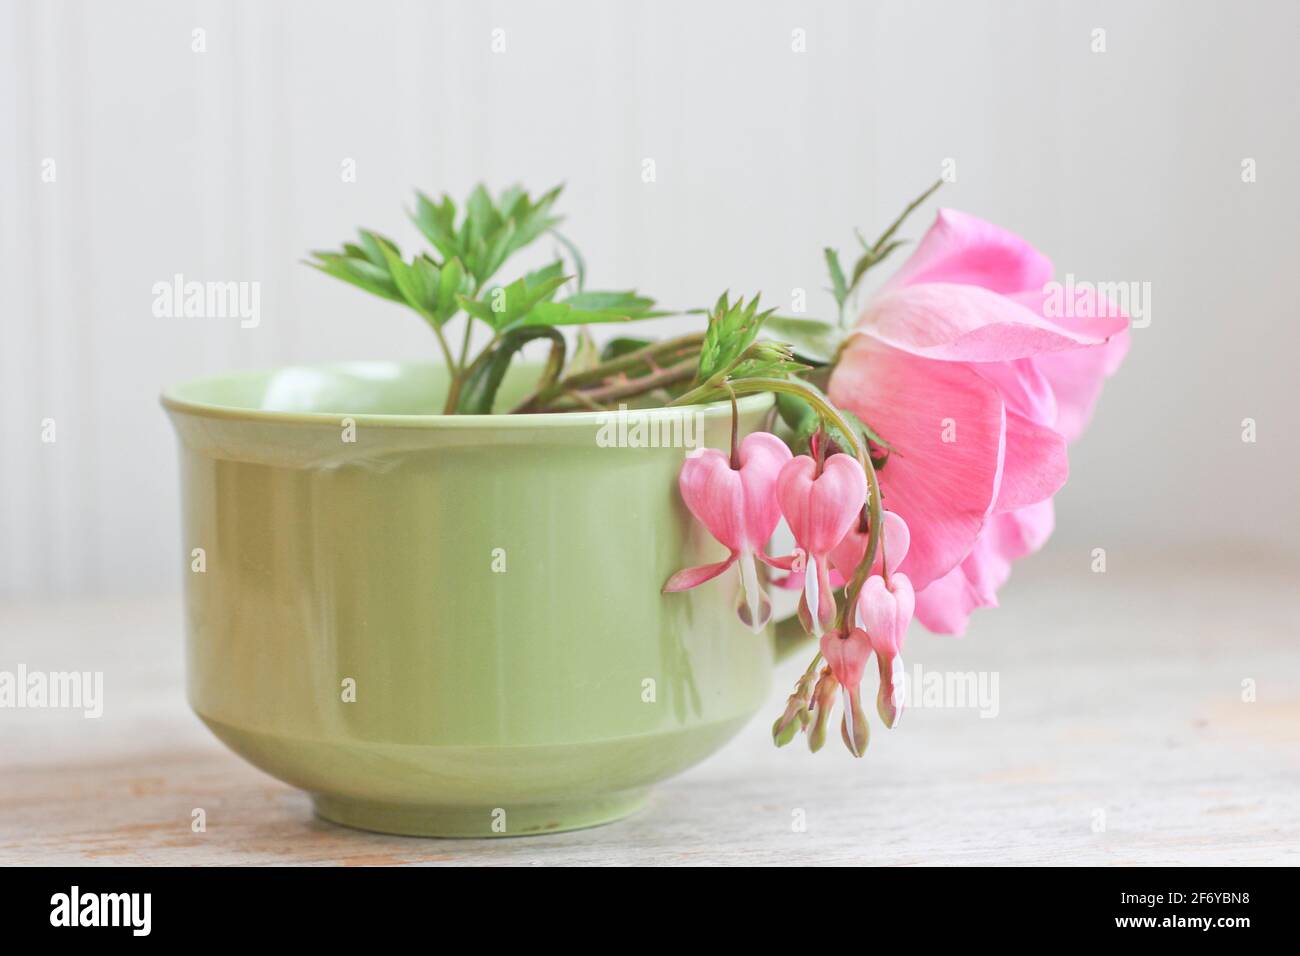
452	625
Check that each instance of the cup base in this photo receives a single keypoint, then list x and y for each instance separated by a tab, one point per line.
479	821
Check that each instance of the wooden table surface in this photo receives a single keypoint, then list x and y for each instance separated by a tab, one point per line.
1122	736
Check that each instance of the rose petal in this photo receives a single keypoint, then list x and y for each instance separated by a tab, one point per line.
942	489
966	249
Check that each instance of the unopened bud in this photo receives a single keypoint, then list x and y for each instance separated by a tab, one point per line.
767	351
794	719
853	728
890	697
823	699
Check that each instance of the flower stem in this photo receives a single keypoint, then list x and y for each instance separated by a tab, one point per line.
454	370
874	541
680	372
790	386
464	344
649	355
735	430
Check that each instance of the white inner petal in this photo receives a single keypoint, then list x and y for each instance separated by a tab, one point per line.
898	681
749	584
812	595
848	716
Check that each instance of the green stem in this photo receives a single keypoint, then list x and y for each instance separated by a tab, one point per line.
911	208
672	348
735	430
464	345
453	370
680	372
790	386
874	541
453	396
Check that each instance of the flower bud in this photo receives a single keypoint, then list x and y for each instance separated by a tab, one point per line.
794	719
823	698
853	728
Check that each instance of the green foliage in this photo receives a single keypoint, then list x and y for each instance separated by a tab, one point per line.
489	232
732	329
873	253
478	394
470	246
812	340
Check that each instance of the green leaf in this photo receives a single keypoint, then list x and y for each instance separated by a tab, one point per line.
481	216
795	412
535	278
490	232
437	221
496	249
902	217
872	258
451	282
561	313
732	329
477	308
533	219
411	280
478	393
752	369
864	428
586	354
811	339
876	253
510	199
428	280
511	305
579	264
359	272
838	286
628	302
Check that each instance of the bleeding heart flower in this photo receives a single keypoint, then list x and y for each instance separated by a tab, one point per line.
884	611
739	507
847	653
894	542
820	509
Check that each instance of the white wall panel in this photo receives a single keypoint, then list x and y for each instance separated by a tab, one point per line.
225	165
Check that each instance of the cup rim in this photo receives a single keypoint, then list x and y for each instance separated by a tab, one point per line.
172	401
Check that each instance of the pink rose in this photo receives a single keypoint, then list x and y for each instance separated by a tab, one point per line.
958	366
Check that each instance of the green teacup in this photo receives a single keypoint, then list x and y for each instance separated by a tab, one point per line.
452	625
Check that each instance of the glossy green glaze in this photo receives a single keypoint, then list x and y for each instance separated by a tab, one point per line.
490	584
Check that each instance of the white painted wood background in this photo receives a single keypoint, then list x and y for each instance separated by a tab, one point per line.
225	165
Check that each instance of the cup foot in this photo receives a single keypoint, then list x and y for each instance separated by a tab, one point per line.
479	821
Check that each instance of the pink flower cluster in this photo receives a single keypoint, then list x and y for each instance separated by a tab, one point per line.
978	390
741	502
